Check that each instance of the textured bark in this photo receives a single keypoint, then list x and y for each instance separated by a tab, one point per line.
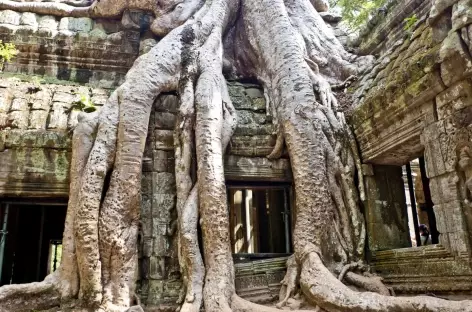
100	237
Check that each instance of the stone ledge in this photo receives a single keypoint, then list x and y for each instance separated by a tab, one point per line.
423	269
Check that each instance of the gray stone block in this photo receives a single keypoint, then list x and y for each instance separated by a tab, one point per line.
47	23
81	24
29	19
10	17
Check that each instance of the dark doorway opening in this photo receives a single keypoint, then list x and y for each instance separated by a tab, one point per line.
31	241
260	220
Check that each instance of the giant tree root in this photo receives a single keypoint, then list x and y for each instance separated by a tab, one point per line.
320	286
34	296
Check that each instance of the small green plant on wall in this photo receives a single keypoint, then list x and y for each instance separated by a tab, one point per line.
84	104
410	23
7	52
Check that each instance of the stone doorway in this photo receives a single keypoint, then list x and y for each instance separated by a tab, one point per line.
30	240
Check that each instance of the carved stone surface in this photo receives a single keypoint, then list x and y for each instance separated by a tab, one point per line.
68	48
417	101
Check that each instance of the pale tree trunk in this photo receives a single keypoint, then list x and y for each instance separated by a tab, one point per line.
285	45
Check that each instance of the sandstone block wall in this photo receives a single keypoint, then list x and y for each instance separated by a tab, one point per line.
417	101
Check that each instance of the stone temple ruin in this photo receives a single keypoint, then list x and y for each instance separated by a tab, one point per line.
412	121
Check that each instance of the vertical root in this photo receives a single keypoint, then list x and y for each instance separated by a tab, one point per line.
99	163
82	143
290	282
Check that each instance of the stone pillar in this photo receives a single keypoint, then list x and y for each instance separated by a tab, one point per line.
385	208
159	263
447	142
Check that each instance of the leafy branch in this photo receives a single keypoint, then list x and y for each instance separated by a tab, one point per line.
357	13
7	52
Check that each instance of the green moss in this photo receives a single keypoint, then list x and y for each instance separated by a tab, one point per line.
39	79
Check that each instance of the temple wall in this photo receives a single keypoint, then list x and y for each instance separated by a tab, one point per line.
36	122
417	101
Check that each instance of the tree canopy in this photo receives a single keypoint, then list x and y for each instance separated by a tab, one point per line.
357	12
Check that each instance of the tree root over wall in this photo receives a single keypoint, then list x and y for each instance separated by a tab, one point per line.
286	46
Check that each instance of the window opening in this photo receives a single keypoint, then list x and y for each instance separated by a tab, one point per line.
260	220
55	255
31	240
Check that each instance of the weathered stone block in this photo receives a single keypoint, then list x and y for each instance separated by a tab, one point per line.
456	63
385	209
38	119
424	89
245	117
81	24
458	242
58	117
99	100
163	161
19	104
41	99
156	291
167	103
65	97
461	14
160	245
163	183
453	217
157	268
4	121
438	7
440	218
254	93
164	120
38	139
136	308
430	139
367	169
444	188
441	28
47	23
10	17
18	119
29	19
164	140
162	205
455	98
146	184
5	100
254	129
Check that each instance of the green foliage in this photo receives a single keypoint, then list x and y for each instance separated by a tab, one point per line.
410	22
357	13
85	104
7	51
